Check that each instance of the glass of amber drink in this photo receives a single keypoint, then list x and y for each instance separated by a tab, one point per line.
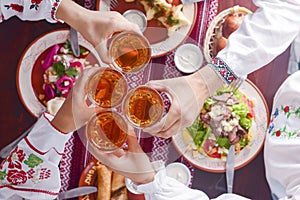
107	87
143	106
107	131
129	52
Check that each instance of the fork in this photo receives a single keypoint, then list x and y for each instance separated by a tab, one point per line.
234	86
112	3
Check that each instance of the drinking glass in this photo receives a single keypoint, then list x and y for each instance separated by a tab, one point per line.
107	87
129	52
143	107
107	131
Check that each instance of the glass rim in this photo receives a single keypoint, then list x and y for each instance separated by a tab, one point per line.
99	72
125	106
134	70
88	133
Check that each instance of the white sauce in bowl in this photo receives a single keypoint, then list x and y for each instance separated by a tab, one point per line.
180	172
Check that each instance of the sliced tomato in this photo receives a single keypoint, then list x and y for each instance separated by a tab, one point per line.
250	105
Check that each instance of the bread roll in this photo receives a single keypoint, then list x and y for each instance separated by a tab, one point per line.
232	22
104	182
117	182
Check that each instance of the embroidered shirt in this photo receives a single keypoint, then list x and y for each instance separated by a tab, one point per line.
31	10
31	170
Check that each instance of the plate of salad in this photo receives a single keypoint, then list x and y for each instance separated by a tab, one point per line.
226	119
48	69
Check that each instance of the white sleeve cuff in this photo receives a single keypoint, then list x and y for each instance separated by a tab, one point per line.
44	137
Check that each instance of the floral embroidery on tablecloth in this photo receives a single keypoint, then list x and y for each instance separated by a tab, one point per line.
22	168
287	112
35	4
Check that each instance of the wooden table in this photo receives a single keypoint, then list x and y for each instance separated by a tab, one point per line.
15	35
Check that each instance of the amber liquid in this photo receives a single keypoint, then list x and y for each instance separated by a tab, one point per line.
107	88
130	52
107	131
144	107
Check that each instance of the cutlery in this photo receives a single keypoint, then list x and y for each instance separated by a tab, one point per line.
7	149
74	42
76	192
112	3
230	168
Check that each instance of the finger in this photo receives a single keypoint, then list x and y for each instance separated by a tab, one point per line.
102	50
173	130
133	144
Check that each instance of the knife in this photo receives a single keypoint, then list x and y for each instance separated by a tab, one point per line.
230	168
74	42
76	192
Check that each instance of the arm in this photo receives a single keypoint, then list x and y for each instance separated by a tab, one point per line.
31	170
261	37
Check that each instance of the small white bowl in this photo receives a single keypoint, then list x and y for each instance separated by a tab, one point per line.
180	172
137	17
188	58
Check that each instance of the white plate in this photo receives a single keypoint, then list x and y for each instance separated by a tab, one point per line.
170	43
27	61
259	128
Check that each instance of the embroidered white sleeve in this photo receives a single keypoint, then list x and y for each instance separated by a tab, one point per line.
31	170
31	10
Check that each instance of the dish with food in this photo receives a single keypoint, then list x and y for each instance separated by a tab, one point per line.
225	23
165	30
240	119
110	185
48	69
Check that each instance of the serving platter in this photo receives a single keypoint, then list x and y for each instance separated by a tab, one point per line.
247	154
157	34
29	76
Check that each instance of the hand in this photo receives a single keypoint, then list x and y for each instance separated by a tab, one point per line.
75	112
95	26
132	163
187	94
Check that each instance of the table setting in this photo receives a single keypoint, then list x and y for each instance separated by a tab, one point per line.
78	166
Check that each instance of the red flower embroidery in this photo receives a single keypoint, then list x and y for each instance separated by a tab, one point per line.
45	174
278	133
15	158
30	173
16	177
35	4
36	1
15	7
286	109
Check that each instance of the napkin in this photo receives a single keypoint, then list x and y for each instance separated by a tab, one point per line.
294	59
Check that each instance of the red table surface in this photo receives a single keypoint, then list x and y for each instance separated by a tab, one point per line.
15	35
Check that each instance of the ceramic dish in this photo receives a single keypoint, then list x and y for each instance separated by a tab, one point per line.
246	155
29	75
161	44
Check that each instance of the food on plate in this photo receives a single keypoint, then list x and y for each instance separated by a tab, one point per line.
221	43
224	119
171	16
104	182
232	23
111	185
61	70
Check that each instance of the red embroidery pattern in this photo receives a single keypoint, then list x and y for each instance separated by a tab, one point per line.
223	70
16	158
35	4
15	7
54	9
18	168
16	177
